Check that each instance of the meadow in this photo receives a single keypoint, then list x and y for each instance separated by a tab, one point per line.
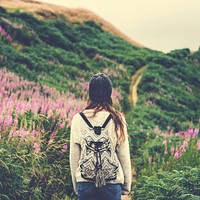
45	66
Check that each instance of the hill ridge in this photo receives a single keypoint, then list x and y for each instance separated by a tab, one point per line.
73	15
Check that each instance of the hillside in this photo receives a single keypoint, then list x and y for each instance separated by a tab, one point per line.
49	11
40	49
46	60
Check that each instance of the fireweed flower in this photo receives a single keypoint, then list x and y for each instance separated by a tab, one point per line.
1	119
196	131
35	133
24	96
62	125
172	150
165	142
181	134
185	143
15	122
36	147
190	131
8	121
24	134
182	148
198	145
65	147
5	34
176	155
53	134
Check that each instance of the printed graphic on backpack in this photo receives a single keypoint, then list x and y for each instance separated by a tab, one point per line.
98	158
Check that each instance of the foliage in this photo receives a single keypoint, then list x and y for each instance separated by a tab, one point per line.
161	154
166	151
168	96
34	132
45	48
183	185
52	61
179	54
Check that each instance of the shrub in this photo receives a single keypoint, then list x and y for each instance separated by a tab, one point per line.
183	184
2	10
167	151
179	54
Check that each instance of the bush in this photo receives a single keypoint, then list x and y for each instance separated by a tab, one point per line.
183	184
2	11
179	54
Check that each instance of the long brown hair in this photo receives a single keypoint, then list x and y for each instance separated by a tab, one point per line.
116	115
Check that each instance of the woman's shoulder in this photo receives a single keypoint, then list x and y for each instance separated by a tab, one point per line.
76	118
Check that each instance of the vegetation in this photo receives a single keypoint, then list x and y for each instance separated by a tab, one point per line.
45	66
183	184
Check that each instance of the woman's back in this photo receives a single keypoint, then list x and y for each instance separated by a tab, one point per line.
99	149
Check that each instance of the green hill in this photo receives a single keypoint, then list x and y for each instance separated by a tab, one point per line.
56	53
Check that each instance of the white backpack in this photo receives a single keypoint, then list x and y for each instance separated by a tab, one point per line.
98	160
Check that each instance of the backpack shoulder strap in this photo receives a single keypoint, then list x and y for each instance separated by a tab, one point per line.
107	120
90	125
86	120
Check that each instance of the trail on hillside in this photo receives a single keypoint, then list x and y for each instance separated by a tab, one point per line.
133	97
135	80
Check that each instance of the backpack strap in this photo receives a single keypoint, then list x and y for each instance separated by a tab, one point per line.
86	120
90	125
107	120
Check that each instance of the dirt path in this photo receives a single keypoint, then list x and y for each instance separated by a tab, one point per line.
133	97
135	80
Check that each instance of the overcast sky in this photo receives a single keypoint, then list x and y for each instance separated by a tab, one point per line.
162	25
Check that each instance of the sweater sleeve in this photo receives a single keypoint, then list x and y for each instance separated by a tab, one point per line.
74	151
123	154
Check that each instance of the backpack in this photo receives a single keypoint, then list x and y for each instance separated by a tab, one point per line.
98	161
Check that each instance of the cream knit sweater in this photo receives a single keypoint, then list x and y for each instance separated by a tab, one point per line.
122	149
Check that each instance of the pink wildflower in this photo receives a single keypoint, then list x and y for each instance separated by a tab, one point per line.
61	124
1	119
172	150
165	142
179	133
190	131
185	143
65	147
53	134
196	131
182	148
24	134
198	145
176	155
8	121
35	133
15	122
36	147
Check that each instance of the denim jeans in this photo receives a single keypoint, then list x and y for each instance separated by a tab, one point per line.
88	191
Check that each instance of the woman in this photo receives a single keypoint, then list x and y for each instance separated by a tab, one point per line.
99	149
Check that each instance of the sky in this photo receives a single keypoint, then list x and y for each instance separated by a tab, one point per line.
162	25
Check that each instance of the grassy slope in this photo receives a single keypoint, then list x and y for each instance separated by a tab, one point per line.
169	96
56	52
50	11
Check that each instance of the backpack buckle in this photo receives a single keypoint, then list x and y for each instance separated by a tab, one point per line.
97	130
